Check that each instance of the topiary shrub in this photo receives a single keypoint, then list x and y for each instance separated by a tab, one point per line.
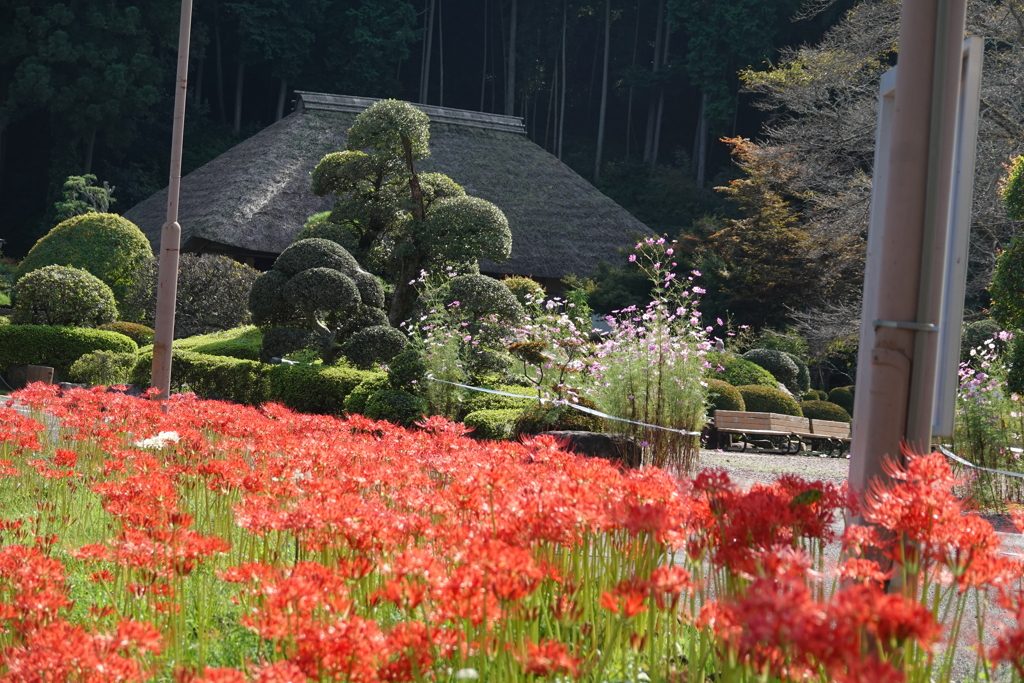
213	294
780	365
1015	377
803	375
547	417
110	247
57	347
399	407
814	395
62	295
528	292
739	372
315	389
140	334
723	396
842	396
493	425
372	346
481	401
407	372
475	297
214	377
103	367
762	399
356	400
825	410
278	342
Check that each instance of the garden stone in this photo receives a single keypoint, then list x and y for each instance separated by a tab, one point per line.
619	448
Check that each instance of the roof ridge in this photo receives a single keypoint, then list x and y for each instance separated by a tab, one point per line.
460	117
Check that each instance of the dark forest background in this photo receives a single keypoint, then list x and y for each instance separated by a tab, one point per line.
86	86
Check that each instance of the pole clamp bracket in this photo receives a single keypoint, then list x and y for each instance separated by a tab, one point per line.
917	327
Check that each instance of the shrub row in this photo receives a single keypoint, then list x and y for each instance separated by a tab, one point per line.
57	347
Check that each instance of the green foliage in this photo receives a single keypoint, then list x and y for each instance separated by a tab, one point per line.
140	334
1007	289
314	388
814	395
464	229
493	424
241	342
842	396
80	197
825	410
212	294
103	367
391	128
279	342
314	253
481	401
790	342
527	291
547	417
407	372
396	406
1015	375
1012	189
803	375
474	298
978	333
357	398
372	346
723	396
63	295
741	372
213	377
57	347
762	399
780	365
110	247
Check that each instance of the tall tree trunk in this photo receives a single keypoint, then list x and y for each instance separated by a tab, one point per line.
282	92
198	95
483	67
552	109
3	152
652	108
700	141
629	107
440	36
510	79
428	54
565	78
239	82
220	74
90	145
661	108
604	89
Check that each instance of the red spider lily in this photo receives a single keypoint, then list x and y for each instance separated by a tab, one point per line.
548	658
19	430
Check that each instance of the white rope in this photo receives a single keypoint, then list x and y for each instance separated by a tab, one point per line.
960	460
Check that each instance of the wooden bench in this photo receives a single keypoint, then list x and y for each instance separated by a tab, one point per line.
789	427
837	434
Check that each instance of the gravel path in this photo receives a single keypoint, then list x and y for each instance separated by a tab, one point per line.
748	468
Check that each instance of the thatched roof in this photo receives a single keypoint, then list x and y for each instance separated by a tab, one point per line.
254	198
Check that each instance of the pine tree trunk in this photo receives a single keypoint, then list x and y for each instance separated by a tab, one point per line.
428	53
281	94
629	107
239	82
700	142
510	79
552	114
604	89
661	108
90	145
652	109
220	75
483	67
440	36
565	77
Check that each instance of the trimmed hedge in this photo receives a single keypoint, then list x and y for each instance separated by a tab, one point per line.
241	342
814	395
137	332
65	296
759	399
781	366
493	425
356	401
545	417
103	367
481	401
314	388
739	372
57	347
824	410
396	406
723	396
803	375
842	396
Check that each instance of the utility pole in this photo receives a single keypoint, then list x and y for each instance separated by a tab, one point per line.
896	364
170	234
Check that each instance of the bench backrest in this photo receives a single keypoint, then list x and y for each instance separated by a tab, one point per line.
771	422
830	428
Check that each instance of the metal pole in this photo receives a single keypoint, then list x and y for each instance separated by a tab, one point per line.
903	292
170	235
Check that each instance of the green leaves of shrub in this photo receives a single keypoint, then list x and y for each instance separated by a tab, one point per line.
63	295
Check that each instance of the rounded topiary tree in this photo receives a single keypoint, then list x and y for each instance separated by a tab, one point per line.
110	247
62	295
527	291
140	334
803	376
374	345
825	410
317	286
842	396
1007	288
739	372
723	396
762	399
780	364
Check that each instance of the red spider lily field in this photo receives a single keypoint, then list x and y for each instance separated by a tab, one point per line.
204	541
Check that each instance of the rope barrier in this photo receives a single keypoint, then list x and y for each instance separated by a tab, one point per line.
960	460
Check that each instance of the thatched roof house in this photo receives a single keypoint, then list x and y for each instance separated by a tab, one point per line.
251	201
